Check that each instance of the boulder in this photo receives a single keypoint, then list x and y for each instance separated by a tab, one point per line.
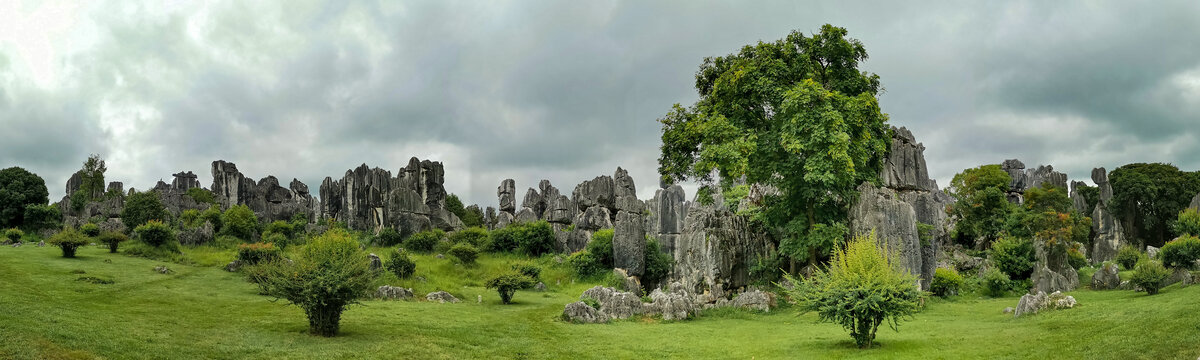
1179	276
717	247
629	243
1151	252
1052	272
580	312
1034	303
199	235
233	266
595	192
526	215
629	283
441	297
754	300
388	292
1195	203
893	221
376	263
540	287
594	218
905	168
1106	277
161	269
675	305
507	194
615	304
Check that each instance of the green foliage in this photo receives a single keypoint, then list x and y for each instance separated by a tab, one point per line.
474	236
472	217
201	195
1076	259
213	216
768	270
862	288
92	178
820	238
155	233
658	264
455	206
68	240
424	241
924	233
281	227
464	253
1149	198
601	248
1014	256
591	301
532	239
1091	195
508	284
327	276
795	114
278	239
982	206
78	199
240	222
946	282
1149	275
41	217
256	253
401	264
14	234
1188	222
1181	253
142	207
704	195
18	189
585	264
388	237
1128	256
734	195
190	218
530	270
995	283
112	239
89	229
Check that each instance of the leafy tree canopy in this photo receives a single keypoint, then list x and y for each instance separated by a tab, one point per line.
1147	198
92	175
19	188
982	206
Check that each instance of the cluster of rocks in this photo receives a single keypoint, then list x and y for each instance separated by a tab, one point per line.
388	292
371	198
268	200
107	211
1107	234
1034	303
907	198
1052	272
1107	277
678	303
441	297
1024	179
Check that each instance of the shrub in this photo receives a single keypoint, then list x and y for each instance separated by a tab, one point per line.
862	288
1149	275
1188	222
532	239
401	265
112	239
1076	259
946	282
78	199
475	236
68	240
658	263
530	270
508	284
256	253
327	276
201	195
1014	256
768	270
240	222
424	241
585	264
464	252
1128	256
1181	253
279	240
190	218
142	207
280	227
601	247
213	216
155	233
14	234
995	283
89	229
388	237
41	217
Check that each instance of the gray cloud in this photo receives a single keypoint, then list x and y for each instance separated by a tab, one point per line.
571	90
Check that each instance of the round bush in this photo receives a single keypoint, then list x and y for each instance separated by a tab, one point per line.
68	240
1076	259
532	239
155	233
1149	275
89	229
388	237
424	241
212	216
240	222
280	227
530	270
190	218
585	264
14	234
1181	253
508	284
21	189
475	236
112	239
1014	256
1128	257
278	239
256	253
401	265
142	207
1188	222
995	283
601	247
946	282
464	252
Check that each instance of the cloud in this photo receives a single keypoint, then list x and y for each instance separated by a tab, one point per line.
561	90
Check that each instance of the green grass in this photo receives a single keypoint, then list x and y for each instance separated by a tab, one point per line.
204	312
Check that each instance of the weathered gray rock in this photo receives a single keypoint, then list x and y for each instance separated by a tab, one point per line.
1107	231
441	297
1151	252
595	192
1052	272
717	247
754	300
388	292
1077	200
371	198
561	210
508	197
675	305
540	287
1106	277
1034	303
1195	203
41	243
185	180
1179	276
376	263
629	243
893	221
671	211
503	219
534	202
615	304
199	235
489	218
233	266
594	218
580	312
630	283
905	167
525	215
162	269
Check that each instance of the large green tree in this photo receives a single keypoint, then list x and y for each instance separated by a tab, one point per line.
982	205
19	188
92	176
796	114
1147	198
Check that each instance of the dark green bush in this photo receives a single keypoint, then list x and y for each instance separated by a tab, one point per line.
658	264
388	237
79	199
400	264
89	229
213	216
1181	253
201	195
532	239
142	207
475	236
41	217
256	253
767	270
68	240
464	252
1076	259
1188	222
946	282
190	218
14	234
280	227
155	233
601	247
1014	256
112	239
21	189
424	241
278	239
995	283
1149	275
240	222
1128	256
585	264
530	270
508	284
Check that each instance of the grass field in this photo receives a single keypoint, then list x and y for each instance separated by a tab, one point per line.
205	312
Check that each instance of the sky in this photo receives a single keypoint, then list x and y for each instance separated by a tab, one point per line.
563	90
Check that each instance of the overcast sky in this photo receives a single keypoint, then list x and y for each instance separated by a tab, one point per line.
562	90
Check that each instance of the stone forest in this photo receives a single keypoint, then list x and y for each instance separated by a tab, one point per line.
805	227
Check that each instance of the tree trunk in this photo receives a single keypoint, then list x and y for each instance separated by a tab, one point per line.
324	320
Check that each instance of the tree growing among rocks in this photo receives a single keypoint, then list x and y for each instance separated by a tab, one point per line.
142	207
326	277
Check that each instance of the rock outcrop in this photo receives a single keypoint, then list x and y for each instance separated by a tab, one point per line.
441	297
371	198
717	248
1034	303
1108	236
1052	272
1024	179
269	200
388	292
1107	277
1195	203
580	312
